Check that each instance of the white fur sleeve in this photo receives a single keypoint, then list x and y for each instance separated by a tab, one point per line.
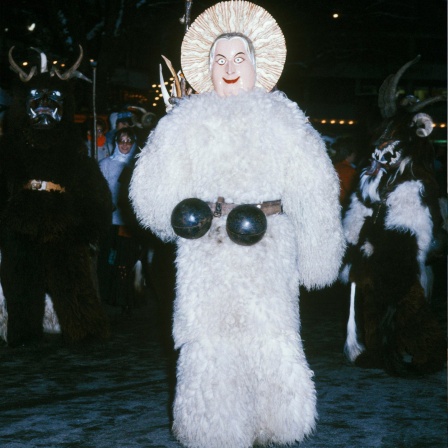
160	179
406	212
354	219
311	200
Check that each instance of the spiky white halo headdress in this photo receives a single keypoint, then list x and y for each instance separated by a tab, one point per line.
236	16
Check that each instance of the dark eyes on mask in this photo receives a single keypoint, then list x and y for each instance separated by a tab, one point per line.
54	95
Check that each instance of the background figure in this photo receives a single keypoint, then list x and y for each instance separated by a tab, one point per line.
103	149
54	207
344	164
394	232
118	121
120	250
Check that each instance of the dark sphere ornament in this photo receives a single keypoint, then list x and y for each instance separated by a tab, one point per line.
246	225
191	218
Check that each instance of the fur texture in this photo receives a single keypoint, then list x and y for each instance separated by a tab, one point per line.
50	322
46	236
242	373
390	227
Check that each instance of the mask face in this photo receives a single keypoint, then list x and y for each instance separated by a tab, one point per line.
385	157
44	107
388	150
232	69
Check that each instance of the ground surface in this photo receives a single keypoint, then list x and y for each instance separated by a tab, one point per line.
118	393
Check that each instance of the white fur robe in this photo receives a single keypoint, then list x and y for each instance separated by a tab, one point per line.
242	376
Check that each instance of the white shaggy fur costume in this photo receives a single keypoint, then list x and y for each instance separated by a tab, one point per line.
242	376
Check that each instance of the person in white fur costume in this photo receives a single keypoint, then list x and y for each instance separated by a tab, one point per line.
242	375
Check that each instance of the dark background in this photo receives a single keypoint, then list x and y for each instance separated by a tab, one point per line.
334	67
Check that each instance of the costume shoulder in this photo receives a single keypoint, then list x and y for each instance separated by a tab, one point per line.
174	146
209	108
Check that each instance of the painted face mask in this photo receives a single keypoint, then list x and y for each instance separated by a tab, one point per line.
44	107
386	156
232	69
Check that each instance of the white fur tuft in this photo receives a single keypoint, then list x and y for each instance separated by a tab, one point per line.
407	212
345	273
367	249
369	186
138	276
352	348
354	219
50	322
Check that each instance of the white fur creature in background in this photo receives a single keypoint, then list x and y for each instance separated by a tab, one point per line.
242	375
394	231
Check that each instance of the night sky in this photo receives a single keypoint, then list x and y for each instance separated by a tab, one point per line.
132	34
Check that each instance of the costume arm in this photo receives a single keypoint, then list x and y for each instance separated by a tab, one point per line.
407	212
354	220
353	224
311	201
162	178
